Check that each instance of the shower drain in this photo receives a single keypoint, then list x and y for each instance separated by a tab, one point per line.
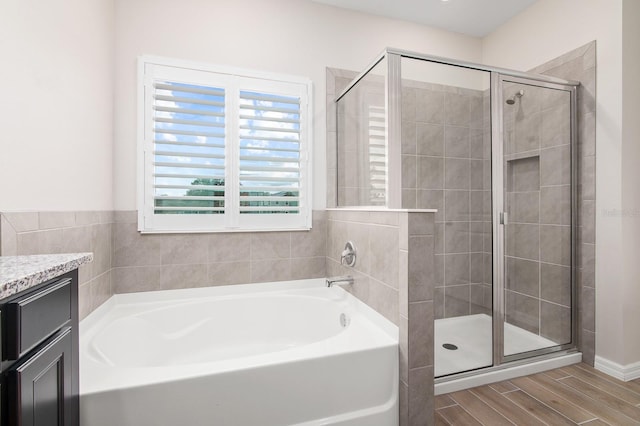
450	346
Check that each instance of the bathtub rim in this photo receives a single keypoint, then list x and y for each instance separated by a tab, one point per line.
230	290
118	377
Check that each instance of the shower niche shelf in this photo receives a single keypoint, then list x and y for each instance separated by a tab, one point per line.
523	174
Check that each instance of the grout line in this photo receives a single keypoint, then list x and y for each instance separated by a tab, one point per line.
450	405
536	260
590	420
558	379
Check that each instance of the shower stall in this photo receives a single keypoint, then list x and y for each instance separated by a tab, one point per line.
494	151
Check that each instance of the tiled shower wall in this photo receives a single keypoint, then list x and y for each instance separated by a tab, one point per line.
25	233
537	163
446	165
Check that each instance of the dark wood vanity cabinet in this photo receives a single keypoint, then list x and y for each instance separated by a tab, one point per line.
39	380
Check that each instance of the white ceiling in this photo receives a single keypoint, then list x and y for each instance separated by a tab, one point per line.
472	17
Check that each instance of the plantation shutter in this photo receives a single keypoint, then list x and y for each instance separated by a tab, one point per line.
377	156
189	149
222	150
269	153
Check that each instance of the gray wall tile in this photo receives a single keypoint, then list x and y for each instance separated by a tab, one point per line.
457	109
555	283
523	311
270	270
555	322
456	141
523	207
52	220
523	241
430	139
523	276
229	247
270	245
409	140
430	173
456	269
23	221
384	247
555	205
133	279
456	301
420	335
456	237
429	106
456	173
557	243
225	273
183	276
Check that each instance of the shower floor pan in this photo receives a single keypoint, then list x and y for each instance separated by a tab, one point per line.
471	335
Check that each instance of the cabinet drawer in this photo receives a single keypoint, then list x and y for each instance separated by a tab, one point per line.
32	318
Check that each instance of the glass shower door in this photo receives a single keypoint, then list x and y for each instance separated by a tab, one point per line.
538	217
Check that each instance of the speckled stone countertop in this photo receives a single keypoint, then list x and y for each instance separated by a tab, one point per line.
18	273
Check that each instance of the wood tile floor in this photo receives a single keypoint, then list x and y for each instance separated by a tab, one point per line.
578	394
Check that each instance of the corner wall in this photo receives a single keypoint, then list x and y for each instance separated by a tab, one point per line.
630	179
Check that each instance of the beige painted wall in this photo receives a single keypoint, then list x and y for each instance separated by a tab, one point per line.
56	109
285	36
630	178
546	30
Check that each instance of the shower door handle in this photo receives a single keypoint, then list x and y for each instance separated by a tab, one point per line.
503	218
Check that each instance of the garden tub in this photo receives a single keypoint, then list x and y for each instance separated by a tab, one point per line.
282	353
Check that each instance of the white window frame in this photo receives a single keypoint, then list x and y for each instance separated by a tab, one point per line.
151	68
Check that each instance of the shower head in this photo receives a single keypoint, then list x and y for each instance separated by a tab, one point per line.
518	95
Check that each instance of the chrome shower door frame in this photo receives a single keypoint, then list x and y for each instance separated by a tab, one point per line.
498	211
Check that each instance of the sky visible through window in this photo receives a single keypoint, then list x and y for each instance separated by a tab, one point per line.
189	150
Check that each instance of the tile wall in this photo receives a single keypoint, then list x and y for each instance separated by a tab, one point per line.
446	165
580	65
537	189
143	262
27	233
394	275
127	261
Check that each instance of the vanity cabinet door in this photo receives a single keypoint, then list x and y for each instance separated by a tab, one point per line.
40	387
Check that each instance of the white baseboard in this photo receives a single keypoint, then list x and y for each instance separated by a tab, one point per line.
620	372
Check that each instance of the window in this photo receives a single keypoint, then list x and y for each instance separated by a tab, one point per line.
222	149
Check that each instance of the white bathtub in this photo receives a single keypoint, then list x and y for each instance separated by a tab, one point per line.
284	353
